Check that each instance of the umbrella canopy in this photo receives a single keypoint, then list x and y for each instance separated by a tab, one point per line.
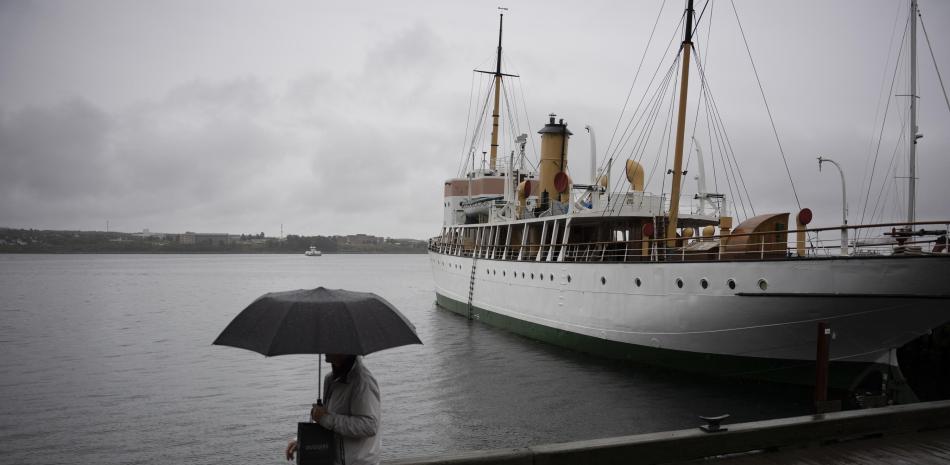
318	321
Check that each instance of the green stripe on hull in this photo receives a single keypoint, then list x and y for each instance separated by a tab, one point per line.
842	375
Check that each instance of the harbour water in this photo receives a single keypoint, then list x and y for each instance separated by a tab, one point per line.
108	359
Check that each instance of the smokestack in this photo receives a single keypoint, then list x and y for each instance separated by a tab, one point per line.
553	166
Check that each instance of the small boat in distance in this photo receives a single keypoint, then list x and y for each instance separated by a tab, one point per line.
313	252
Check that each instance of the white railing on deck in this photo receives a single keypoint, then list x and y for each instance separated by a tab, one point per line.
929	238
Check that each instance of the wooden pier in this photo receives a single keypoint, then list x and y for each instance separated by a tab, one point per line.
903	434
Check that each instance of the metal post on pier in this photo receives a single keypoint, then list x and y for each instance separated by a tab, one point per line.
821	359
844	205
822	404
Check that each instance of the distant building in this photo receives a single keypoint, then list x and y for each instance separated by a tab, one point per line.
188	238
360	239
146	234
214	239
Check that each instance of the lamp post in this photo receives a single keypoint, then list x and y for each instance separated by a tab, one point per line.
844	205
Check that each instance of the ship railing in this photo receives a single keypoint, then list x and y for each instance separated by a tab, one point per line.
921	238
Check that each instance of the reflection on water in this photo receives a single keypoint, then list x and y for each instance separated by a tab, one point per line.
107	358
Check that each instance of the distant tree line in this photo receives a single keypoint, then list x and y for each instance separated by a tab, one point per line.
49	241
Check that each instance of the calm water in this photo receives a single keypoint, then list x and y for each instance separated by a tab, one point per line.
108	359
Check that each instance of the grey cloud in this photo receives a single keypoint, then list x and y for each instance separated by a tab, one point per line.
244	96
352	126
55	152
326	153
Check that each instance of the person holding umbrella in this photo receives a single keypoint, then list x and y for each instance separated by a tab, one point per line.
352	411
344	325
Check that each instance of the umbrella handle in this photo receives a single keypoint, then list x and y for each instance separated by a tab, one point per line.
319	381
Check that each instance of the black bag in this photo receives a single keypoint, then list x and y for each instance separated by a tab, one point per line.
315	445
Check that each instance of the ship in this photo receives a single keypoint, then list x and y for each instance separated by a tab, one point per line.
313	252
619	272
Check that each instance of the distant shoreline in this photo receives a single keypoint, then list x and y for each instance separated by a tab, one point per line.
18	241
209	252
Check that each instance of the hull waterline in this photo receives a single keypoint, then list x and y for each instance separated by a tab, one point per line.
747	331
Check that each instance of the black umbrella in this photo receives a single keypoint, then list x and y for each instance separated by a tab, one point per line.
318	321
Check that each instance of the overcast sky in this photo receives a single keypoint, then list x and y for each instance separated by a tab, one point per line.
346	117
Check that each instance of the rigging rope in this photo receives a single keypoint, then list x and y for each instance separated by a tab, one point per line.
892	181
612	153
477	135
513	121
869	175
729	157
877	150
767	109
692	137
635	76
668	133
942	87
900	142
468	120
531	139
649	118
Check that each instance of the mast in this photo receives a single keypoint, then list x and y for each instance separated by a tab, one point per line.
498	75
680	130
912	186
494	116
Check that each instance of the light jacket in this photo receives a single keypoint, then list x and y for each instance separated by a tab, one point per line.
354	415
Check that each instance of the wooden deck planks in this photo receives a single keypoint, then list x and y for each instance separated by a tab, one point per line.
922	448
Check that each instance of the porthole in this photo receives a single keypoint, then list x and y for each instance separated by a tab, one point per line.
522	275
568	278
502	273
704	283
763	284
637	282
494	272
679	283
487	271
731	283
551	277
532	275
603	281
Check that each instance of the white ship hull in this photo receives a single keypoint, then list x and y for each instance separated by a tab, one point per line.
612	269
872	305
